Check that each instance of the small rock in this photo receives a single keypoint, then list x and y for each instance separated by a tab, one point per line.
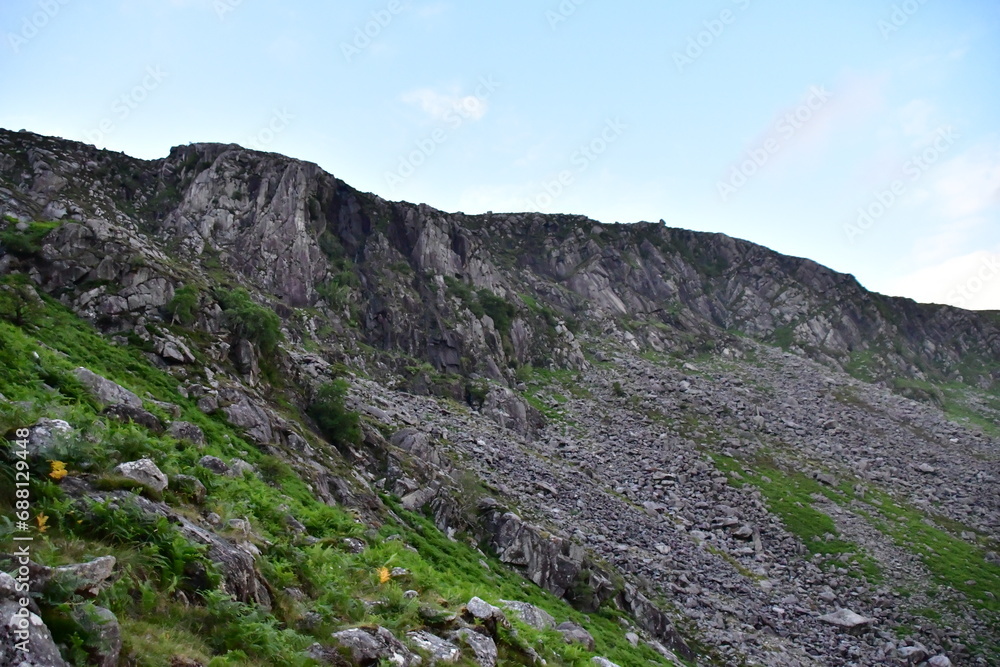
186	431
845	618
189	486
439	650
531	615
370	646
483	647
602	662
215	464
939	661
143	471
576	634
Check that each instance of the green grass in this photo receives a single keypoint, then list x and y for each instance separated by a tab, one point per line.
789	496
29	241
155	562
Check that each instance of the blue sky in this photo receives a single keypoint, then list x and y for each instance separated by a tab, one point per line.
863	135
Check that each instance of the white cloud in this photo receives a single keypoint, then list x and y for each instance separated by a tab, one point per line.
968	281
444	105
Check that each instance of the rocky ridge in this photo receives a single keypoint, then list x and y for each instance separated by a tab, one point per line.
612	387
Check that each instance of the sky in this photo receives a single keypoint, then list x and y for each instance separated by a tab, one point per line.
862	134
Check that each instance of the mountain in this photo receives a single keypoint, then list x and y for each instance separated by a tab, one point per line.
337	426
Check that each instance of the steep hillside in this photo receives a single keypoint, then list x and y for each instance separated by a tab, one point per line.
330	427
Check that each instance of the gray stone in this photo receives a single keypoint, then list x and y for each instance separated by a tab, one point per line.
602	662
105	391
143	471
189	486
437	649
103	632
42	651
530	615
939	661
238	467
87	578
913	654
214	464
576	634
484	611
45	434
187	431
126	413
484	649
369	646
845	618
8	586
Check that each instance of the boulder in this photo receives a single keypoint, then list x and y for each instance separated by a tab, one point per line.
602	662
86	578
189	486
103	632
484	649
237	468
45	434
437	649
551	562
126	413
531	615
845	618
14	625
576	634
105	391
186	431
143	471
484	611
939	661
214	464
370	646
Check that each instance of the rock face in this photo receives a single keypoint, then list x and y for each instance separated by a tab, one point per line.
637	392
278	221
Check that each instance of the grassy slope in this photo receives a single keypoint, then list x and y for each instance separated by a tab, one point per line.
164	611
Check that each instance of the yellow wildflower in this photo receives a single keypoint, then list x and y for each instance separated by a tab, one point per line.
383	575
42	522
58	470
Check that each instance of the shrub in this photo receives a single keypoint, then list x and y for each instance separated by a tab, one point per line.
258	324
340	425
184	305
500	311
19	303
28	242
